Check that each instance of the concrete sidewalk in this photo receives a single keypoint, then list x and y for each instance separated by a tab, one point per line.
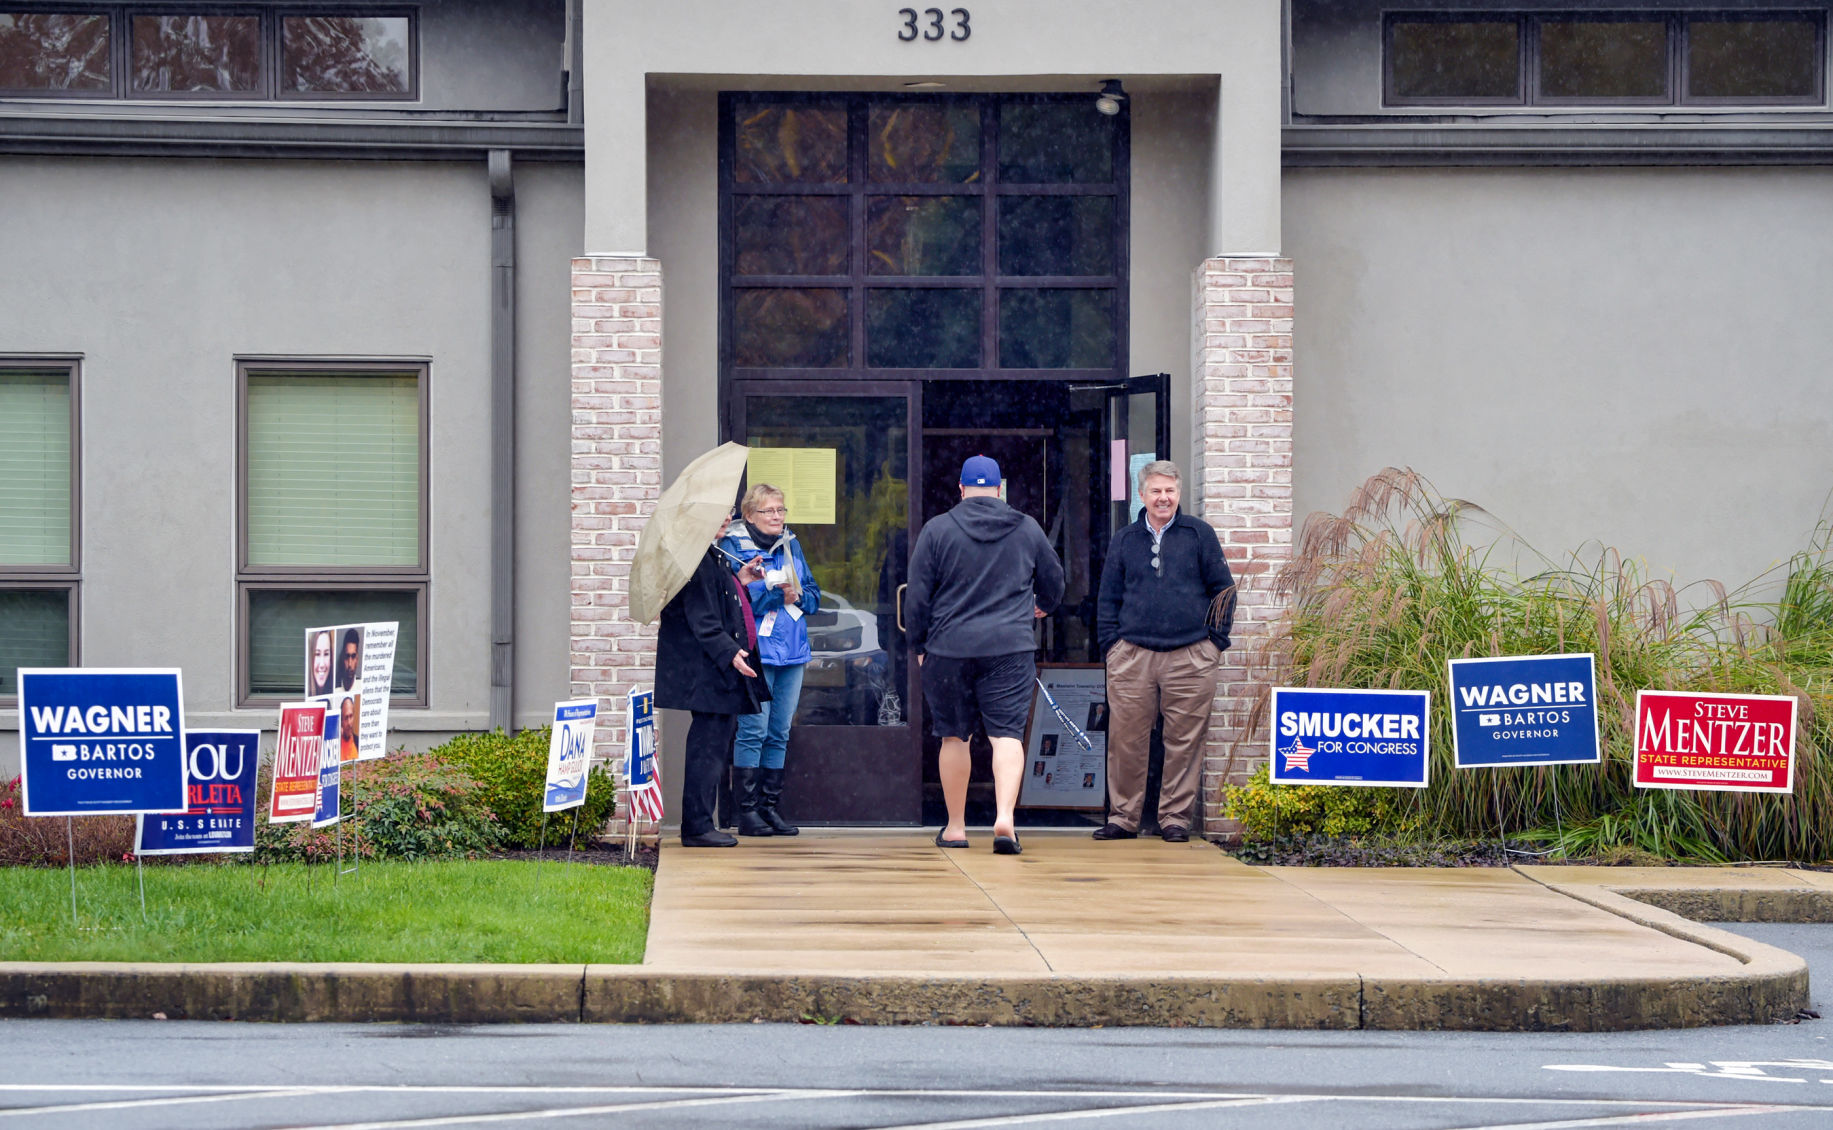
883	927
1167	934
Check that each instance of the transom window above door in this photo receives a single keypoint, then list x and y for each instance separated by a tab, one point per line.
922	235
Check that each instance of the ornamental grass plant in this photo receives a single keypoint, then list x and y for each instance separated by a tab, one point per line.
1384	595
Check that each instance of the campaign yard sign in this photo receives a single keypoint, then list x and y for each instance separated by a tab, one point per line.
569	754
220	816
1524	710
297	750
1715	742
640	772
1350	737
326	807
101	740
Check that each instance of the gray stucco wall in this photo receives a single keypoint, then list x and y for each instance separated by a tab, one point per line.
1635	356
161	273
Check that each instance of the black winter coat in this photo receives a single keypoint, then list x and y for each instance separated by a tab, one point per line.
702	628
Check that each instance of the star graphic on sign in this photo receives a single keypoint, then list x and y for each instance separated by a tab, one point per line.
1298	756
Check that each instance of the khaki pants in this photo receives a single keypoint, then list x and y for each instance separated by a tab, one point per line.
1141	685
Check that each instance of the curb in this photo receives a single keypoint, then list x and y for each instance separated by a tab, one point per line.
1772	984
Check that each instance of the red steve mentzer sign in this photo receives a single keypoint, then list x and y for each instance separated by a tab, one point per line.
1717	742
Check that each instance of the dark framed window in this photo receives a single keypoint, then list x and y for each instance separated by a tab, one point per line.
331	503
1630	58
222	51
879	236
40	500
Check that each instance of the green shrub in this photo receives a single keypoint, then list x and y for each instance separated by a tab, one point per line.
1268	811
512	773
1384	595
411	806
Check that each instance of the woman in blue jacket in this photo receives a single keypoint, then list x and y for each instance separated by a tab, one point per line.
780	601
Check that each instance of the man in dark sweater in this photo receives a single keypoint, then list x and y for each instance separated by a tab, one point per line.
978	576
1166	605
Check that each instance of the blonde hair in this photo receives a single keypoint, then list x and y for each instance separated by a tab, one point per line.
755	496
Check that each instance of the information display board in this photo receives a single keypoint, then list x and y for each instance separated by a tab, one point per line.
95	741
1059	773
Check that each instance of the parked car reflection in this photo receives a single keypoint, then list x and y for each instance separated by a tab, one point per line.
848	676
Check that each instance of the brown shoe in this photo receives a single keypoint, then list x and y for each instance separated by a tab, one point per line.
1113	831
1175	835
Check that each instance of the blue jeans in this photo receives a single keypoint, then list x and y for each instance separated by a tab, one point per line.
763	738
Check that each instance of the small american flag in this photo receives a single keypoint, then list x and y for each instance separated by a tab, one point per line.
640	769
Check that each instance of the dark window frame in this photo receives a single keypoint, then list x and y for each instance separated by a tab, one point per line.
1527	84
330	578
66	578
269	84
858	281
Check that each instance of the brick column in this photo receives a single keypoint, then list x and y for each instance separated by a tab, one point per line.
1242	401
616	479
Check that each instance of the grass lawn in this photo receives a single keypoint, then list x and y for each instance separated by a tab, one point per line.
475	911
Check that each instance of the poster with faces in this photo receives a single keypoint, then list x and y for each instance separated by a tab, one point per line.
352	667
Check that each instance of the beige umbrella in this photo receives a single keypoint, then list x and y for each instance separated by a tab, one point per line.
688	516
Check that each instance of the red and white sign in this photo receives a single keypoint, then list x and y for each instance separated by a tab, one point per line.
1718	742
296	756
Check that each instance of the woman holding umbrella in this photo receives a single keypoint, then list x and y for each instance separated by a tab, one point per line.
704	665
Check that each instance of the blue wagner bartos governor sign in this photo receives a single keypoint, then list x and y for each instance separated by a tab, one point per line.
101	741
1350	737
1525	710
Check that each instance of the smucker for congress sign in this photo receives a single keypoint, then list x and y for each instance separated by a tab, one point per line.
1718	742
1349	737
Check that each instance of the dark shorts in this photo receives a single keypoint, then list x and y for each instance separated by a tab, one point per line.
962	693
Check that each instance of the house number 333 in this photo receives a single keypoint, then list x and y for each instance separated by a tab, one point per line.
932	24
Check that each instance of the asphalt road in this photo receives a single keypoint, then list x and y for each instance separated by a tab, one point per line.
198	1076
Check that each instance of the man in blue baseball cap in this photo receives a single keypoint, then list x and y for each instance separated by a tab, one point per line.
978	577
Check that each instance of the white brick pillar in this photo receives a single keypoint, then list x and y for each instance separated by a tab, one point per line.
616	479
1242	434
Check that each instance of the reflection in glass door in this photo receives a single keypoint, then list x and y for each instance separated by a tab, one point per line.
845	455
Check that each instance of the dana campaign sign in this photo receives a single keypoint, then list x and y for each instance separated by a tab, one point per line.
222	765
569	754
1715	742
1524	710
101	740
1349	737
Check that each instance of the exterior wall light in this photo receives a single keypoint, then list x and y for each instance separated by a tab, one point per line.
1111	97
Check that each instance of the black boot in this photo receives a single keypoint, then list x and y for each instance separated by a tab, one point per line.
769	791
745	798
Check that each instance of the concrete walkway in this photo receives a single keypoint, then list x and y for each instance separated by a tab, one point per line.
882	927
1205	939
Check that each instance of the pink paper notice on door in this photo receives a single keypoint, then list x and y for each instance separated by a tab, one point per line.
1117	470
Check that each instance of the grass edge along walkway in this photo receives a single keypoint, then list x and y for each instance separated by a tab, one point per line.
494	911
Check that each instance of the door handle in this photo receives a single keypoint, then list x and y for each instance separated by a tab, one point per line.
900	607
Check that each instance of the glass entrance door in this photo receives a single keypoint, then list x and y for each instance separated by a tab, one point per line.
844	455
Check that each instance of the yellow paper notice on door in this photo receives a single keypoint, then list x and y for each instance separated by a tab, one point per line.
806	476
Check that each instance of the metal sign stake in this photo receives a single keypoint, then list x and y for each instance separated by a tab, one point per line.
140	874
70	838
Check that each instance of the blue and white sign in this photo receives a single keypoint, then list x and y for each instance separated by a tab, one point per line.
330	774
1350	737
569	754
1525	710
101	740
222	766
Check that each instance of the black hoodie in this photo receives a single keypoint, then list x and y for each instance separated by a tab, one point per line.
975	575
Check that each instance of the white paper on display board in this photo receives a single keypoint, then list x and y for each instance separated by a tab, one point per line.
1059	773
569	754
353	665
